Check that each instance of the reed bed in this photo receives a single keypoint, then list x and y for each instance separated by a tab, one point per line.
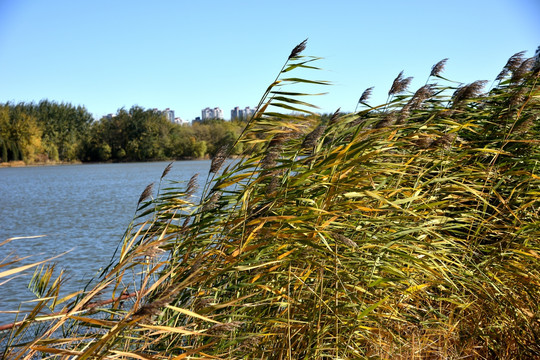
407	230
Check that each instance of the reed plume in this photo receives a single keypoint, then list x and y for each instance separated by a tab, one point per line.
511	65
519	73
298	49
345	240
312	139
387	120
274	182
444	141
366	95
218	329
468	92
274	149
192	185
211	204
421	95
166	171
146	193
438	67
334	118
400	84
219	159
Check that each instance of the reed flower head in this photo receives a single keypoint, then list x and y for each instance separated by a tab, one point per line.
421	95
438	67
275	180
424	142
387	120
313	137
218	159
224	328
365	95
522	70
468	91
396	83
334	118
345	240
511	65
400	84
211	204
444	141
192	184
272	154
404	114
166	171
274	149
153	308
298	49
146	193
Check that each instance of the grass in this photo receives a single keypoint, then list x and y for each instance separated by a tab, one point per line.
405	230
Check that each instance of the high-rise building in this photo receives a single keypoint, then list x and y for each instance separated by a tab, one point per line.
169	114
215	113
249	112
242	114
207	113
236	113
218	113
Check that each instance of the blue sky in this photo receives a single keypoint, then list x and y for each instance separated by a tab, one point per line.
187	55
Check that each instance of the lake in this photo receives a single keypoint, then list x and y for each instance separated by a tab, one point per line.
83	209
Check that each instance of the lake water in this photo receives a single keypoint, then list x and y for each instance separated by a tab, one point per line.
83	209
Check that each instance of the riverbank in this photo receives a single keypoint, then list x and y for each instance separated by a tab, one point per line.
21	163
12	164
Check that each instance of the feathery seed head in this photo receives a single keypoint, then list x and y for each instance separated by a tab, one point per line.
421	95
313	137
345	240
438	67
272	154
166	171
387	120
298	49
218	159
395	84
212	202
444	141
192	184
424	142
511	65
334	118
522	70
224	328
153	308
468	91
403	114
405	84
146	193
366	95
400	84
274	183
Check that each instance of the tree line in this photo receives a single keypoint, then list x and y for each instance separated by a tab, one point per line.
60	132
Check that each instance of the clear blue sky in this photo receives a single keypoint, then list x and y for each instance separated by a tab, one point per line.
187	55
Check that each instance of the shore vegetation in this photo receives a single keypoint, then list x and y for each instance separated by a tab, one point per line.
406	230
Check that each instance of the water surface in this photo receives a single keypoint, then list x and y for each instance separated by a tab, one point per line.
81	209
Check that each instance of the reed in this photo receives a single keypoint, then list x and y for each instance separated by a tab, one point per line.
359	237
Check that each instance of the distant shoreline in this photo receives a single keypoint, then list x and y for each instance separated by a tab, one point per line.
20	163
